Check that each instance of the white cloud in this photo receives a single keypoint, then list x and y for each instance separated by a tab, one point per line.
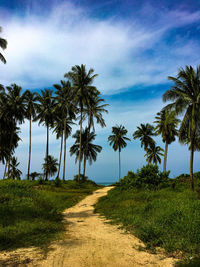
41	49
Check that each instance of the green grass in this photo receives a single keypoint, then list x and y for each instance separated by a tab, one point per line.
168	218
30	213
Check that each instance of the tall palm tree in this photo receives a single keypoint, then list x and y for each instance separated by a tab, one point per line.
95	110
153	154
3	45
145	132
65	108
166	127
118	140
14	173
50	166
82	85
30	104
59	130
89	150
185	94
45	115
14	109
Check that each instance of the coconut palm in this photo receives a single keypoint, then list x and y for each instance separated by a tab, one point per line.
3	45
14	109
166	127
83	92
153	154
118	140
185	94
65	108
50	166
145	132
88	151
14	172
59	130
45	114
95	110
30	113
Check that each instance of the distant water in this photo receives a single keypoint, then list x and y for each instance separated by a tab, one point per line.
106	184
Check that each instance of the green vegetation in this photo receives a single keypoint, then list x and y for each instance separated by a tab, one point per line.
31	210
164	214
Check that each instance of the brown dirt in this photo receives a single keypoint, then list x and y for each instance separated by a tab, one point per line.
89	242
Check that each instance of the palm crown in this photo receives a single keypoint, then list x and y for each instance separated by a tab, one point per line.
144	133
3	45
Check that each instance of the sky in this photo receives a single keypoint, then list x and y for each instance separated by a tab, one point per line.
132	45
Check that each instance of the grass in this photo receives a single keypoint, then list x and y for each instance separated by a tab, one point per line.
30	213
168	218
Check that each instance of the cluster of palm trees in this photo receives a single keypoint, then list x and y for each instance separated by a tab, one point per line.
74	100
184	95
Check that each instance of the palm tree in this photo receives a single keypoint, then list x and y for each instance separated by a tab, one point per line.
59	130
45	115
153	154
66	109
166	126
144	133
14	173
118	140
94	111
3	45
50	166
14	110
30	103
185	94
88	151
83	91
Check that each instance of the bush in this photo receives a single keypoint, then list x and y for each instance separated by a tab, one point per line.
57	182
82	178
148	177
41	181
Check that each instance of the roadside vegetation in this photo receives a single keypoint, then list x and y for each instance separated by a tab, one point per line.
32	210
160	211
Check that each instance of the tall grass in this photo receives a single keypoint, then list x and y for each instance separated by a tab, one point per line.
30	213
168	218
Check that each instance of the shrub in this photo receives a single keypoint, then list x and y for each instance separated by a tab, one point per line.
57	182
148	177
82	178
41	181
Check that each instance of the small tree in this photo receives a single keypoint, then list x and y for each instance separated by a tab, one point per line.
14	172
50	166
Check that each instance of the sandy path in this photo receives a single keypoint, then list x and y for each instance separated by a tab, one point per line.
90	242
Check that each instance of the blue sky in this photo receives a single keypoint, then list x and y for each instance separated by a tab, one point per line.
133	46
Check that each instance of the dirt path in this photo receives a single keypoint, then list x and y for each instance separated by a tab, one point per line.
90	242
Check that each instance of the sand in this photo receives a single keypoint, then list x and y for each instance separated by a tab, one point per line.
89	242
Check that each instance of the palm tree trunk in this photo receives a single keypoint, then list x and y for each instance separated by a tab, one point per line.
47	152
191	166
61	145
80	145
119	166
64	149
165	157
84	167
5	170
29	160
